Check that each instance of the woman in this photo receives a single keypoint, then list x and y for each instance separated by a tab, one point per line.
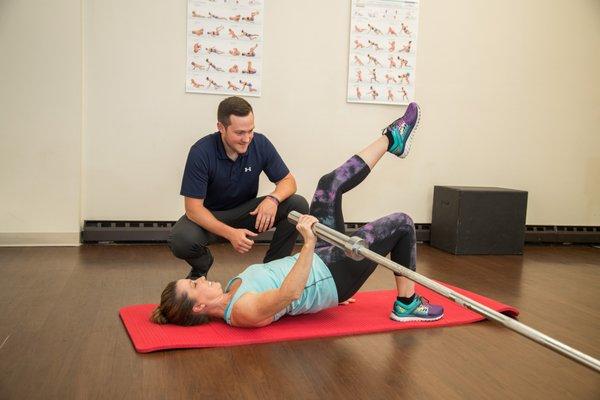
321	275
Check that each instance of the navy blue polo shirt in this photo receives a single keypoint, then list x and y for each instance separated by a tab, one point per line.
224	184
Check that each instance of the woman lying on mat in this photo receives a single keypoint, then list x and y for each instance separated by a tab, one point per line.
321	275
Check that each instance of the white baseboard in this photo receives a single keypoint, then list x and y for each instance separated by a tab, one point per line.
25	239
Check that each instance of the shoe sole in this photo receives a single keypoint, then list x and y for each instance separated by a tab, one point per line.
413	319
408	144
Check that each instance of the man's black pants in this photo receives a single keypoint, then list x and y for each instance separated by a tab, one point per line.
189	241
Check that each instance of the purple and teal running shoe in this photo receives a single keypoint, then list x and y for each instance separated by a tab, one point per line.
402	131
418	310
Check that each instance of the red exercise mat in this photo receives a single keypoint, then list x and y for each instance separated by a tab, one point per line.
370	314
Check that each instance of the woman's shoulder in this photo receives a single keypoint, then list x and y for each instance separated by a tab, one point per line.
243	312
241	307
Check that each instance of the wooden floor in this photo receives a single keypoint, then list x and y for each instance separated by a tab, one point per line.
61	337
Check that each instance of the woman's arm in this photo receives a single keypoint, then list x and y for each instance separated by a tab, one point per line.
258	309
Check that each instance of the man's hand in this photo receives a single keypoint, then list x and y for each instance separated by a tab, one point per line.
265	214
239	240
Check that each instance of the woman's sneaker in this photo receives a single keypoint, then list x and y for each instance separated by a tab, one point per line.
402	131
418	310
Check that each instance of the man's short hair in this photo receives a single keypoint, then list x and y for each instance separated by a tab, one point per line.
232	106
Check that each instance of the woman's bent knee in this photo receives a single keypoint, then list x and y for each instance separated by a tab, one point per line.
403	219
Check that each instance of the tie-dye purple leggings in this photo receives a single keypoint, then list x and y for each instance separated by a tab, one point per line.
393	234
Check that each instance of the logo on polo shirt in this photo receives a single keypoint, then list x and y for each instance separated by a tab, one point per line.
246	169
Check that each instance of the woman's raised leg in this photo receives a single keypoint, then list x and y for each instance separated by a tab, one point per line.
396	139
326	204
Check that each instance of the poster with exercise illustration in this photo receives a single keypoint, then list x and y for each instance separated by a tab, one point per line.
224	46
382	56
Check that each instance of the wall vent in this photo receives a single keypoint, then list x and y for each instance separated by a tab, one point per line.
126	231
562	234
158	232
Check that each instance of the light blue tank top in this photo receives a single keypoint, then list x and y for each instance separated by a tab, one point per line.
319	292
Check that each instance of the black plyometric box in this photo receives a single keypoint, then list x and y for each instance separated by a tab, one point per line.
478	220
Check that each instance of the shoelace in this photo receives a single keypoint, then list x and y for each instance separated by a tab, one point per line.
424	301
396	127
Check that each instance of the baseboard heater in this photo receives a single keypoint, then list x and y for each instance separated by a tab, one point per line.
158	232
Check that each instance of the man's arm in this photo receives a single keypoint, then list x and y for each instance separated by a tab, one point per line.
267	209
258	309
285	187
196	212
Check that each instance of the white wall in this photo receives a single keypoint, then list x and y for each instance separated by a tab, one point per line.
40	121
510	94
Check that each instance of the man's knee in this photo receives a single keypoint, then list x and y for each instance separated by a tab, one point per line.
296	203
187	240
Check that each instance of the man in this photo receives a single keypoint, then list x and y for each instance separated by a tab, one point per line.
220	183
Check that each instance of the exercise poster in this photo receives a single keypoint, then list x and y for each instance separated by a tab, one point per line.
224	47
383	48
